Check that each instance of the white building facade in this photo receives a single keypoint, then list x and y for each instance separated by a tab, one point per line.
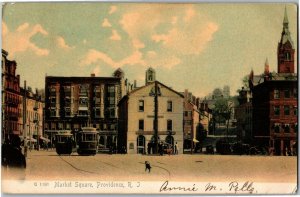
137	113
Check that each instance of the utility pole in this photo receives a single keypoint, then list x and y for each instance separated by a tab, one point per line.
156	117
24	121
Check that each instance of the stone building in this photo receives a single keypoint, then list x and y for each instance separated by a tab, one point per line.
275	100
75	102
149	109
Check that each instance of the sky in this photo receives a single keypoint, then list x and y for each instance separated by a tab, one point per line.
194	46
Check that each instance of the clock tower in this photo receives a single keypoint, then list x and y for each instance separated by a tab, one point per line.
285	50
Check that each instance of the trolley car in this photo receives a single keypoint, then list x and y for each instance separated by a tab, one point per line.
87	141
63	142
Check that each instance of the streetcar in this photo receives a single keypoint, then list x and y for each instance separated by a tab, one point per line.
87	140
64	142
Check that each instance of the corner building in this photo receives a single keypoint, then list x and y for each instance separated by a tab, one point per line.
75	102
275	100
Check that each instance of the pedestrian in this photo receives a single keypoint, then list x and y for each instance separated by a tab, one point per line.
176	149
12	156
147	166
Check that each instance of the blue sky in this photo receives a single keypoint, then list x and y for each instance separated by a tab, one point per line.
191	46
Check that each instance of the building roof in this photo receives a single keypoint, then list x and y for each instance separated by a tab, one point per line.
286	36
150	83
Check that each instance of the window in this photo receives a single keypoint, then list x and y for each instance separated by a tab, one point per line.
276	94
276	110
286	110
286	93
52	113
83	101
53	100
295	92
111	100
169	125
287	56
277	127
185	113
111	88
141	125
295	111
60	126
112	113
188	122
97	112
286	128
141	105
67	111
169	106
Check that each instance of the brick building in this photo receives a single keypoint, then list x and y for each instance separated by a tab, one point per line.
15	120
275	100
10	98
75	102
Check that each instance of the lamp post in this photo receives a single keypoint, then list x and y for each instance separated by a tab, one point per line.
155	93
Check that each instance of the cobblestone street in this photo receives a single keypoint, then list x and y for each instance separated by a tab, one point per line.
42	165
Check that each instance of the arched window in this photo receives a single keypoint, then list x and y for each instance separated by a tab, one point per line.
141	144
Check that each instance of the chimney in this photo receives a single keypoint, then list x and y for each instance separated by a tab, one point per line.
93	75
134	86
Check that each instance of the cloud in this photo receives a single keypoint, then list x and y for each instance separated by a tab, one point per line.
187	41
113	9
177	28
84	41
167	61
20	40
106	23
62	44
115	35
94	56
137	44
169	31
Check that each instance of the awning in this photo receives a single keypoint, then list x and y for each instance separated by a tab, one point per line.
45	139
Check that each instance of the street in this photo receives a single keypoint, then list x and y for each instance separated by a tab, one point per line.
47	165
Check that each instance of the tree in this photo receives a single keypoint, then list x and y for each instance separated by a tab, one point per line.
217	93
222	111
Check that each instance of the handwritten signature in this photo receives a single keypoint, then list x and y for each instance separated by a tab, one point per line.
234	186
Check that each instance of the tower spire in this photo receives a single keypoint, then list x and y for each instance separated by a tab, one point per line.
267	69
285	50
285	19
